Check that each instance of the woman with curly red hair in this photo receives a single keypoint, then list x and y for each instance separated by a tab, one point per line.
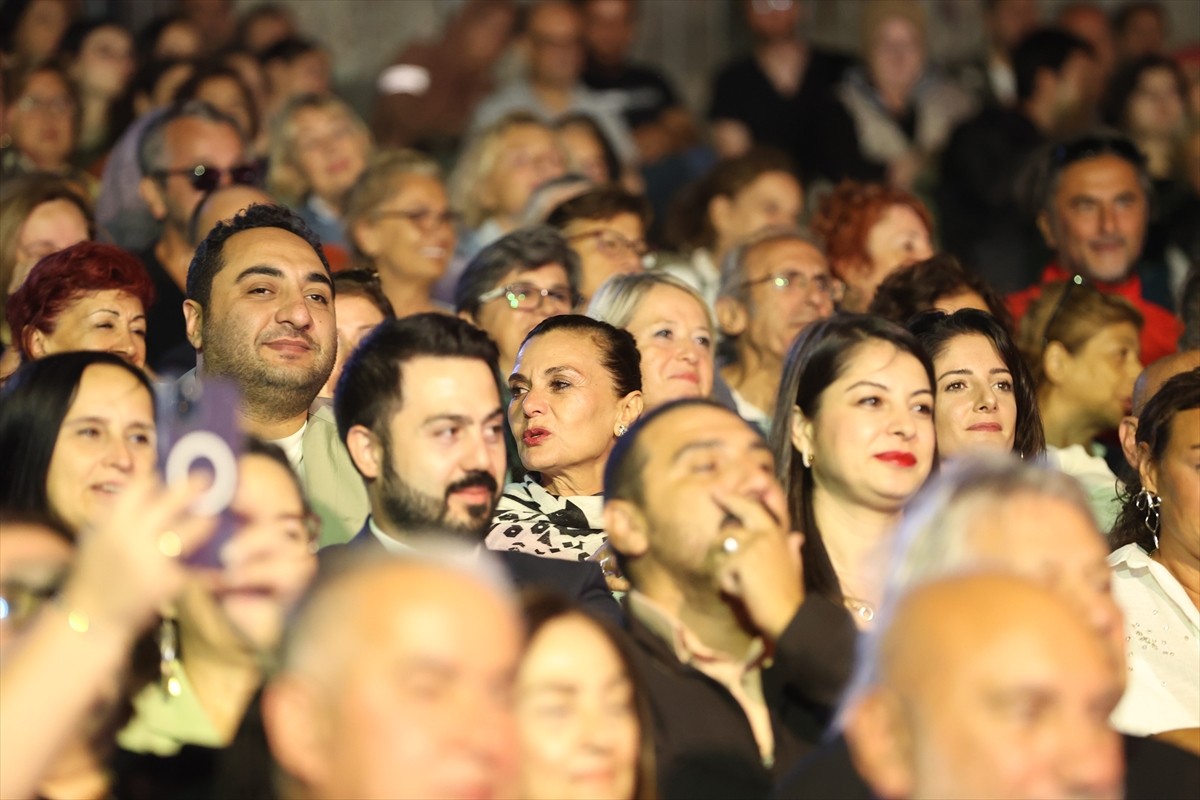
90	296
869	231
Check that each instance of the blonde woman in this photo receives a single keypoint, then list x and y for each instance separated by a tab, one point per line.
318	148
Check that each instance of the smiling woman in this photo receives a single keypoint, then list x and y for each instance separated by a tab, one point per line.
75	429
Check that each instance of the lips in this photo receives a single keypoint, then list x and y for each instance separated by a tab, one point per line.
690	377
288	346
535	436
109	488
897	458
986	427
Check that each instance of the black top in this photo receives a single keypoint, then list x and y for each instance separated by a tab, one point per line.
742	92
981	221
642	91
168	351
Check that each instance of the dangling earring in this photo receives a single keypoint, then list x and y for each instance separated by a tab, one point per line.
169	668
1149	502
806	458
621	429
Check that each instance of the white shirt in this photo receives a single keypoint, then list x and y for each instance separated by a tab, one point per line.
1162	637
1091	470
293	448
389	544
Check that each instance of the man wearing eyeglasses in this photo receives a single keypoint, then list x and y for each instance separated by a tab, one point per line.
1095	206
606	227
184	154
772	287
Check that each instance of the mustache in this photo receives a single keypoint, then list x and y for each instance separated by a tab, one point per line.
472	480
288	332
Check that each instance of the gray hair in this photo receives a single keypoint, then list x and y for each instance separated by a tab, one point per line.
936	537
617	299
733	266
153	143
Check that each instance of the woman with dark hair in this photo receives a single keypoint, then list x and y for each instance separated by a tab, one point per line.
939	283
576	386
100	61
1156	565
75	430
986	398
42	121
582	718
853	439
90	296
589	152
740	197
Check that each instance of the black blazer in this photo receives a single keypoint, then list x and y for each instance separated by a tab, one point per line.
579	581
704	745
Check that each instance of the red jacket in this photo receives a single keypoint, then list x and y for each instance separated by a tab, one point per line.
1160	328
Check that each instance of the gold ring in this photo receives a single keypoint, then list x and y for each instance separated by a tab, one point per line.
169	544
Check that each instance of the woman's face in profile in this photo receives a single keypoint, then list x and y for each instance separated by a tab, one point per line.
106	439
576	716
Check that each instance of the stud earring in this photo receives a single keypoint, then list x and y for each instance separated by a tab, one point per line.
806	458
621	429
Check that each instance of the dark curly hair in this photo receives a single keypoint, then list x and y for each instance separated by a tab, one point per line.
907	292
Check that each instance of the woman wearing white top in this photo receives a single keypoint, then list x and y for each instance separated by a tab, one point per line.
1156	566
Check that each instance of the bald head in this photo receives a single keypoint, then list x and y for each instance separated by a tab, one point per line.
987	686
224	204
1158	373
395	683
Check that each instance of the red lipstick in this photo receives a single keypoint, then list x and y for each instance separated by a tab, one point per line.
897	457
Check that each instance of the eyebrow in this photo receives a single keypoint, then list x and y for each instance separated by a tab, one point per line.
883	388
712	444
115	313
461	419
969	371
275	272
105	421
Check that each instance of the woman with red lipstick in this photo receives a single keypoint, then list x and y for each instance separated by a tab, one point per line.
986	398
1082	347
853	438
673	328
576	386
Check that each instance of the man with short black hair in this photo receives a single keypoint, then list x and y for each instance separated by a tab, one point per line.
418	408
183	154
607	228
259	312
982	222
740	667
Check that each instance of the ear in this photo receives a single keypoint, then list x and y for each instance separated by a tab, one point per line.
291	721
35	342
720	212
1127	433
626	528
731	316
365	451
1047	230
803	432
1056	363
1147	471
193	320
151	191
881	745
467	316
366	236
631	409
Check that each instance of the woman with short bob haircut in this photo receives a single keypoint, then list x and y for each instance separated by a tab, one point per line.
941	283
853	440
674	330
985	394
576	387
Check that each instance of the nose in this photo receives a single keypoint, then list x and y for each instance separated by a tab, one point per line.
533	403
120	455
1107	218
125	345
904	423
294	311
986	398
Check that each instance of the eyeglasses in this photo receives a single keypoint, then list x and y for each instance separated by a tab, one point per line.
424	218
205	178
527	297
1076	280
799	282
613	244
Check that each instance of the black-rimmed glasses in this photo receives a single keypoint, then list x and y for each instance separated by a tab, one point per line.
205	178
527	297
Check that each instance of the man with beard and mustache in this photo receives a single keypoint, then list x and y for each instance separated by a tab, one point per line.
259	312
418	407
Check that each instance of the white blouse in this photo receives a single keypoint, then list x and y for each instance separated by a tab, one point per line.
1162	638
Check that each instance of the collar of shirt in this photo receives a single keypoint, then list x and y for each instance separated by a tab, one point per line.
686	645
397	547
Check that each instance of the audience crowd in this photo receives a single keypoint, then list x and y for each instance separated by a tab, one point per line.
536	435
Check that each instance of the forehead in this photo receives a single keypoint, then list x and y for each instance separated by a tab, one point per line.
107	35
225	204
668	301
971	350
547	275
898	218
266	488
527	136
628	225
1105	174
52	216
570	649
695	425
876	358
1035	534
771	183
454	386
417	186
575	349
272	247
115	299
105	388
189	138
25	543
1121	334
45	83
788	252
